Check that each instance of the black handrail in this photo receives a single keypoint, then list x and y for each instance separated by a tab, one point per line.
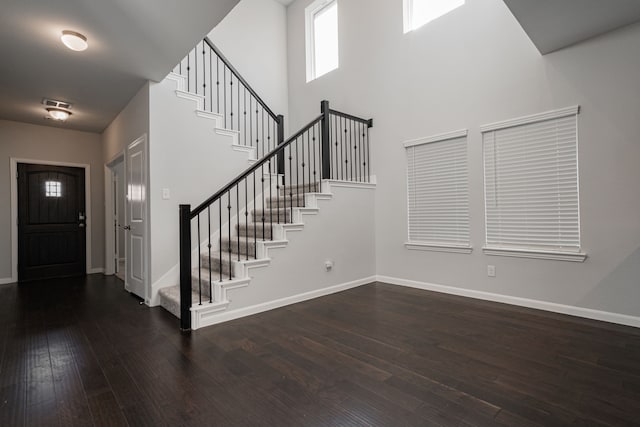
240	78
334	145
209	74
204	205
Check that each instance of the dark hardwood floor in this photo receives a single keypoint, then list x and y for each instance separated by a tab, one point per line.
84	352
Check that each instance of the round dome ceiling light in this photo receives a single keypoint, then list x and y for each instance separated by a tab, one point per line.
74	41
58	114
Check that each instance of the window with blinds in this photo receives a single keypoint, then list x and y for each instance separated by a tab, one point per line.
438	193
531	185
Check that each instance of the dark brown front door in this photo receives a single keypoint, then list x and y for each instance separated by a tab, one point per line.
51	222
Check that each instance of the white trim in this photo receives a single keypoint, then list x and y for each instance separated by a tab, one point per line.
347	184
423	246
270	305
436	138
6	281
310	13
588	313
95	271
548	115
109	240
535	254
14	207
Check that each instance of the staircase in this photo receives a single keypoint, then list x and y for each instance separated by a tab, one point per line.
235	229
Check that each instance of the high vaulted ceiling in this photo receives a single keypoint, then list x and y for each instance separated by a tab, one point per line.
556	24
130	42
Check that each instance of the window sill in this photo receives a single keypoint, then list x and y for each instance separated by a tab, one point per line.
528	253
419	246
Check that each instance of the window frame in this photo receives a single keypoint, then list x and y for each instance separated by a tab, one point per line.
529	252
310	43
407	15
464	248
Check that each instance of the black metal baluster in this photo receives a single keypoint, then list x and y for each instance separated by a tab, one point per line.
262	196
368	157
220	234
263	152
255	230
246	219
218	84
353	153
303	166
231	98
189	72
244	105
290	186
229	222
270	201
204	78
297	176
224	93
237	216
209	247
195	66
210	80
315	186
251	124
346	151
258	132
334	173
360	175
199	266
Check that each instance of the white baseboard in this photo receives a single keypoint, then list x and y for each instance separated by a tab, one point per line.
571	310
6	281
95	270
270	305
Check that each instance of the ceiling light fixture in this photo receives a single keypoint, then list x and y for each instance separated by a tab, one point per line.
74	41
58	114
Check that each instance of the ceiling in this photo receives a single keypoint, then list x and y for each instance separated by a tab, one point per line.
556	24
130	42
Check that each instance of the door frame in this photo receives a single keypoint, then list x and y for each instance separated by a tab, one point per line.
109	241
108	202
14	209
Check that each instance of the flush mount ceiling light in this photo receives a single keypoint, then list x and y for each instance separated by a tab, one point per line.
58	114
74	41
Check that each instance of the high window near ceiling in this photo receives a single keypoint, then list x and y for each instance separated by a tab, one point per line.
321	38
419	12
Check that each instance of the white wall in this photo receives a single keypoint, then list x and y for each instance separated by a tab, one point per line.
339	233
130	124
253	36
45	143
190	160
476	66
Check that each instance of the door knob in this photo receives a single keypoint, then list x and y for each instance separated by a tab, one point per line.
127	227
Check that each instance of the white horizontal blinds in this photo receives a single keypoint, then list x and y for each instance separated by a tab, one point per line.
438	192
531	185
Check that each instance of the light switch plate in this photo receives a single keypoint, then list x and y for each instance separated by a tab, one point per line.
166	194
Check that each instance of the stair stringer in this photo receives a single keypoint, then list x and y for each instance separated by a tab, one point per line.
295	275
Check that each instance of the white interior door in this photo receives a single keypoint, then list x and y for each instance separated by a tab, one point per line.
136	217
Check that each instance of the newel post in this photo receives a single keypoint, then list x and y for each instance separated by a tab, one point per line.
326	147
185	267
280	161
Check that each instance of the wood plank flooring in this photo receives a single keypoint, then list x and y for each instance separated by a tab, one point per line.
85	352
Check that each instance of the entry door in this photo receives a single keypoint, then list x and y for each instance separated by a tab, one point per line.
51	222
135	217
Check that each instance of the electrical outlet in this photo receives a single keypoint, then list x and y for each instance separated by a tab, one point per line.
166	194
491	270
